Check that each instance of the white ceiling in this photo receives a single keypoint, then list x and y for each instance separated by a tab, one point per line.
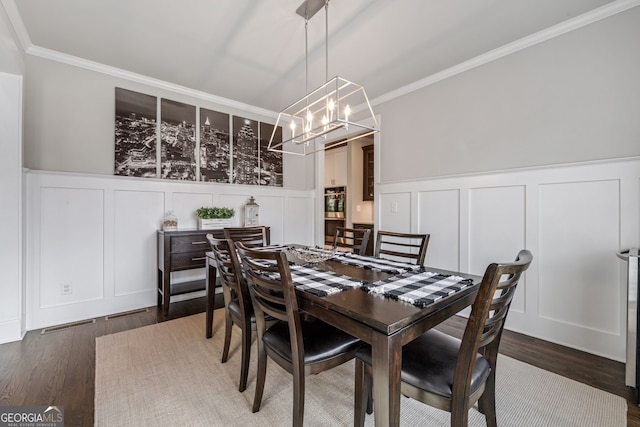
252	51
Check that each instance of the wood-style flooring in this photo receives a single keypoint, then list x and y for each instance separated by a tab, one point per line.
58	368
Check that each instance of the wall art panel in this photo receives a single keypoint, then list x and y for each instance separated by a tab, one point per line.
245	151
135	134
270	161
178	140
215	146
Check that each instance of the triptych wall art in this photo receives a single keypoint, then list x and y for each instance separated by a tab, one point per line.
192	144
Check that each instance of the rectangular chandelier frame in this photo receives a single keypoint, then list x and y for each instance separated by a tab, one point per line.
323	115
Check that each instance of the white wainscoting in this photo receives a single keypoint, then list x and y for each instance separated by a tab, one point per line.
97	234
574	218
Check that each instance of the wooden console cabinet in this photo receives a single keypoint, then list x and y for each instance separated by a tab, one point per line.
177	251
185	250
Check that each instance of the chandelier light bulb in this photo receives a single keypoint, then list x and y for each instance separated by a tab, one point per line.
292	126
347	111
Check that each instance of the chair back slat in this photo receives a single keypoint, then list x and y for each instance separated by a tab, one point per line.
355	239
270	282
251	237
410	246
488	315
228	267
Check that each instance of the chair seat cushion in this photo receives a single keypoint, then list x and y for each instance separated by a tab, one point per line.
321	341
234	308
429	362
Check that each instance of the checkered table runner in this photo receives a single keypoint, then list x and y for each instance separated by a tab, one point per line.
320	282
378	264
316	281
421	289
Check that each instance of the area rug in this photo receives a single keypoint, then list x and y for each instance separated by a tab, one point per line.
170	374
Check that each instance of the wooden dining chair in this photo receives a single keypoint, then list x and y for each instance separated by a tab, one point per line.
301	345
238	309
402	245
355	239
452	374
252	237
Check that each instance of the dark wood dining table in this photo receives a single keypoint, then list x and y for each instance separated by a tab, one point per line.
384	323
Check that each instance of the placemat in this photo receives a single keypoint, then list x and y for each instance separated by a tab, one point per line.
321	282
420	289
378	264
315	281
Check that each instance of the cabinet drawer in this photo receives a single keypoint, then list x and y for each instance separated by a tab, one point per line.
190	243
187	260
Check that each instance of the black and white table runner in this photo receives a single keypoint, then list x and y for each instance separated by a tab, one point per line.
420	289
378	264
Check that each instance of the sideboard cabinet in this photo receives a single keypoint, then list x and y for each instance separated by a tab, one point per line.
177	251
183	250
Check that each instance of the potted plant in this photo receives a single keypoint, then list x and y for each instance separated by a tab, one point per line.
214	217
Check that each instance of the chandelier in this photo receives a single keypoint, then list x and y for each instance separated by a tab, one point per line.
326	113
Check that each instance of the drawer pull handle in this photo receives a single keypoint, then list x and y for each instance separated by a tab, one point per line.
198	259
199	243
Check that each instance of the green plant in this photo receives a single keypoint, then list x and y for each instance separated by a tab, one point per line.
209	213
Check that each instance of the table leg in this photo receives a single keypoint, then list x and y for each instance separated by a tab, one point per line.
386	355
210	281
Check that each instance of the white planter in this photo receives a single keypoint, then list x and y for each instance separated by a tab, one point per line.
210	224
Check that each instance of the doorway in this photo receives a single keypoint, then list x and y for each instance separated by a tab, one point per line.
349	171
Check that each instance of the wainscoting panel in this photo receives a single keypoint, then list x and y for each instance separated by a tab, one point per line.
396	212
135	234
300	217
98	234
184	206
573	218
71	224
272	212
497	230
579	235
440	217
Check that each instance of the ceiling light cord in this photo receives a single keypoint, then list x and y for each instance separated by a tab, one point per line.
306	55
326	41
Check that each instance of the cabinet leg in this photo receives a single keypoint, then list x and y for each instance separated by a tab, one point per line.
210	282
164	291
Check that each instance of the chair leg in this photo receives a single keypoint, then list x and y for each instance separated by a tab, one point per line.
459	418
487	402
246	356
361	395
228	325
298	396
260	376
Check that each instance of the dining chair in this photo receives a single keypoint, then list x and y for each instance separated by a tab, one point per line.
402	245
302	345
238	309
355	239
251	236
452	374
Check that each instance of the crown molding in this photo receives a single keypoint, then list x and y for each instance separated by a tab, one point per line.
17	24
31	49
595	15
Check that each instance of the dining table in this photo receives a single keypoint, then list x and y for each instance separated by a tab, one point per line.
383	321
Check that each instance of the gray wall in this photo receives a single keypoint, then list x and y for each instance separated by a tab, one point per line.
572	98
70	114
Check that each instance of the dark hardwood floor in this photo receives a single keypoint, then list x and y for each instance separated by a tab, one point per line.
57	368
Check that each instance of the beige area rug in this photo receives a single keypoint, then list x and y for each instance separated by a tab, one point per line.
170	374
